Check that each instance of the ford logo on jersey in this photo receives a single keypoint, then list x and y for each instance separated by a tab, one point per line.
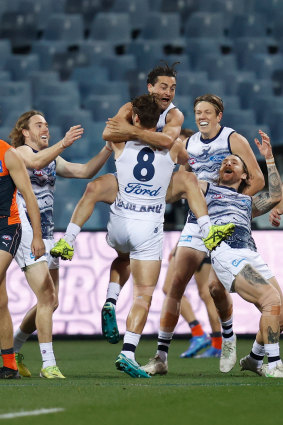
141	189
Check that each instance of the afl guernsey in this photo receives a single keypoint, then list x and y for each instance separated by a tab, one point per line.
225	205
143	178
43	185
8	205
162	119
206	155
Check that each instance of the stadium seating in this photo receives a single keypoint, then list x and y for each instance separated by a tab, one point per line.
113	27
63	27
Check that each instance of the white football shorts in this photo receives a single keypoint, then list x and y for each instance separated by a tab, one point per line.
227	262
191	237
143	240
24	256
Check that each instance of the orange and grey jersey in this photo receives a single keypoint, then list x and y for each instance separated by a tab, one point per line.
143	177
206	155
162	119
8	204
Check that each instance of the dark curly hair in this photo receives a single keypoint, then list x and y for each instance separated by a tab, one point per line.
162	70
147	110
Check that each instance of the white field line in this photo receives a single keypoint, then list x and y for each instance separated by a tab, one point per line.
30	413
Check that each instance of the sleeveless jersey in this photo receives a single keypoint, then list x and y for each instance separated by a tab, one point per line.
226	205
143	177
206	155
8	204
43	185
162	119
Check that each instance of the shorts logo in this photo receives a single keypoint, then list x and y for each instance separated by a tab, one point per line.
32	256
186	238
237	262
7	237
155	230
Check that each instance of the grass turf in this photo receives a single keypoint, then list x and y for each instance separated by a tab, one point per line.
193	392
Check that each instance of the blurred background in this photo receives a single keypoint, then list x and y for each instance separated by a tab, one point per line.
78	61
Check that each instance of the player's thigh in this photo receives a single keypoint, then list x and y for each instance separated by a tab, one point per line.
145	273
39	279
5	261
103	189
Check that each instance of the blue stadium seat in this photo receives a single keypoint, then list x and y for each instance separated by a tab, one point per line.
250	132
245	47
96	50
18	89
4	133
266	103
46	49
36	79
277	30
67	119
277	81
199	88
57	88
216	66
56	134
265	64
198	47
119	66
248	25
20	66
248	91
103	107
205	24
5	52
82	74
274	118
236	117
231	102
39	8
64	27
113	27
53	105
11	107
165	27
187	79
92	87
147	52
19	27
137	10
232	80
87	9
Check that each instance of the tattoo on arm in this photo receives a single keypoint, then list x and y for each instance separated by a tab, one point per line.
273	337
265	201
252	276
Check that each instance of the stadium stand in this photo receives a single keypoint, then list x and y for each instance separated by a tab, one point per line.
79	60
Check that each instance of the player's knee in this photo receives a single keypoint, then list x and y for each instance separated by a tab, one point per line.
270	302
216	289
143	296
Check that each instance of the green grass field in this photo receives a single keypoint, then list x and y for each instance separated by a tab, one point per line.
193	392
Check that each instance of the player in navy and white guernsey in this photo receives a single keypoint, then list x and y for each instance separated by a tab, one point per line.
206	150
237	264
31	136
13	175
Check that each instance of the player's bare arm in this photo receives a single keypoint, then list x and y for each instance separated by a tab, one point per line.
120	129
83	171
240	146
42	158
21	179
265	201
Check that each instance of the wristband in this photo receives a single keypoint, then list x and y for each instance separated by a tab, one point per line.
270	161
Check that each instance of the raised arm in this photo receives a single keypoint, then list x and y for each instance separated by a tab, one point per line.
83	171
120	129
240	146
42	158
21	179
265	201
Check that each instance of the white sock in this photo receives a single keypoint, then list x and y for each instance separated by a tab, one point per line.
258	349
133	339
20	338
204	224
227	330
48	358
72	232
113	291
164	340
273	353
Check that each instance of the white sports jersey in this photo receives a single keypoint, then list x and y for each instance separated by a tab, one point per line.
162	119
43	185
225	205
143	177
206	155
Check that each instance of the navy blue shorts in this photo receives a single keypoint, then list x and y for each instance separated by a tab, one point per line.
10	236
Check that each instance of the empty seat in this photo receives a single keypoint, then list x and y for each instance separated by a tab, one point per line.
4	133
244	47
198	47
87	9
216	66
11	107
265	64
36	79
118	66
266	103
114	27
236	117
199	88
147	53
137	10
187	79
5	75
248	25
250	132
5	52
19	27
96	50
231	102
53	105
92	87
69	28
20	66
185	104
274	118
277	81
204	24
103	107
67	119
232	80
46	49
17	89
248	91
165	27
57	88
56	134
